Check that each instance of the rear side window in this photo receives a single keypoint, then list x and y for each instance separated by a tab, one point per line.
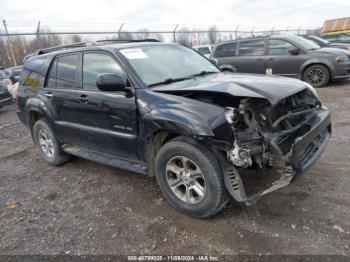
279	47
67	69
95	64
251	48
63	72
51	81
226	50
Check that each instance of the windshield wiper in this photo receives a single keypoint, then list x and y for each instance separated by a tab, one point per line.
202	73
170	80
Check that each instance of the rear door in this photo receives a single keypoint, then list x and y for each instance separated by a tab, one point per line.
61	89
250	57
280	60
225	54
108	120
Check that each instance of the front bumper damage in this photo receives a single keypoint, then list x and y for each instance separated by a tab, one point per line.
305	150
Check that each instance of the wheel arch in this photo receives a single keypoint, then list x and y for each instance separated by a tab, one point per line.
328	65
35	109
161	137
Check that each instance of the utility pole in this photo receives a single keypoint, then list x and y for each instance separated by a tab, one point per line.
174	33
9	45
120	29
38	35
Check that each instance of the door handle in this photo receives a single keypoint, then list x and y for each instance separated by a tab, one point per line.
83	98
48	94
260	59
270	59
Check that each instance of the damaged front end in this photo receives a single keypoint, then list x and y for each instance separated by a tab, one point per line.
273	144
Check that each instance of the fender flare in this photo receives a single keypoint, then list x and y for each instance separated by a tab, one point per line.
37	105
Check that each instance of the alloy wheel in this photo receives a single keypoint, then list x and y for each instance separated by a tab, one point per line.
46	143
315	76
186	180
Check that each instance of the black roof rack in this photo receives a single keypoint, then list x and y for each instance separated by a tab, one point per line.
63	47
128	40
85	44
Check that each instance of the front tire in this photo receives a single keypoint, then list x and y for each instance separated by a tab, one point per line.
317	75
191	178
48	145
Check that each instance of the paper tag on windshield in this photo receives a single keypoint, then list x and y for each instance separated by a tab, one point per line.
133	53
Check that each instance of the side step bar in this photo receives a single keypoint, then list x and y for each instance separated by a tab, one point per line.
104	158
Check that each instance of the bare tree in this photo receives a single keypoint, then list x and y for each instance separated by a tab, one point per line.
125	35
212	34
4	58
76	39
184	36
142	33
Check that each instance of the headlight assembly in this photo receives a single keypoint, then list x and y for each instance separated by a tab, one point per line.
340	59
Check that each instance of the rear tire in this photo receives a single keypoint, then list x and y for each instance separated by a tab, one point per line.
317	75
48	145
191	178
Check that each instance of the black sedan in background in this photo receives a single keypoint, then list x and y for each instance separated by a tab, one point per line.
325	43
292	56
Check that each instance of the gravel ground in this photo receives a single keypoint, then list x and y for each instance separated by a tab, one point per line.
89	208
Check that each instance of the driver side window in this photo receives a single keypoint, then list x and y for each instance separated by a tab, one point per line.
279	47
95	64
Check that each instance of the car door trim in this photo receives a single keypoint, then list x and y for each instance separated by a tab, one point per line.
101	131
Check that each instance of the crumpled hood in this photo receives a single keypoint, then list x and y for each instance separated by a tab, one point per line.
272	88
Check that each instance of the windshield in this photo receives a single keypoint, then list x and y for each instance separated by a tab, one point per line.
320	39
305	43
158	63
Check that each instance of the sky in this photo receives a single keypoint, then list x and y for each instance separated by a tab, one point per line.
147	13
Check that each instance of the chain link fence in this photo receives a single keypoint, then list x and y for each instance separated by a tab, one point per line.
18	39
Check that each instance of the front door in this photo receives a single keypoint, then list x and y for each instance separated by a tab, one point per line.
280	60
108	120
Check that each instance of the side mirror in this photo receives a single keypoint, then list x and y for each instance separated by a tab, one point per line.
294	51
111	82
228	68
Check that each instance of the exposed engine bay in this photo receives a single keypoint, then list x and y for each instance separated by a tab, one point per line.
266	138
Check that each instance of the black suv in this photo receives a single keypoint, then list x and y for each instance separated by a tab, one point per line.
292	56
165	110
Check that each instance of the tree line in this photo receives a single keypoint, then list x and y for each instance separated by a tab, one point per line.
22	46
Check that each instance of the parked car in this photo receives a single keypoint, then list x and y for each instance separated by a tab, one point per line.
15	73
337	38
4	73
164	110
325	43
204	49
292	56
5	96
